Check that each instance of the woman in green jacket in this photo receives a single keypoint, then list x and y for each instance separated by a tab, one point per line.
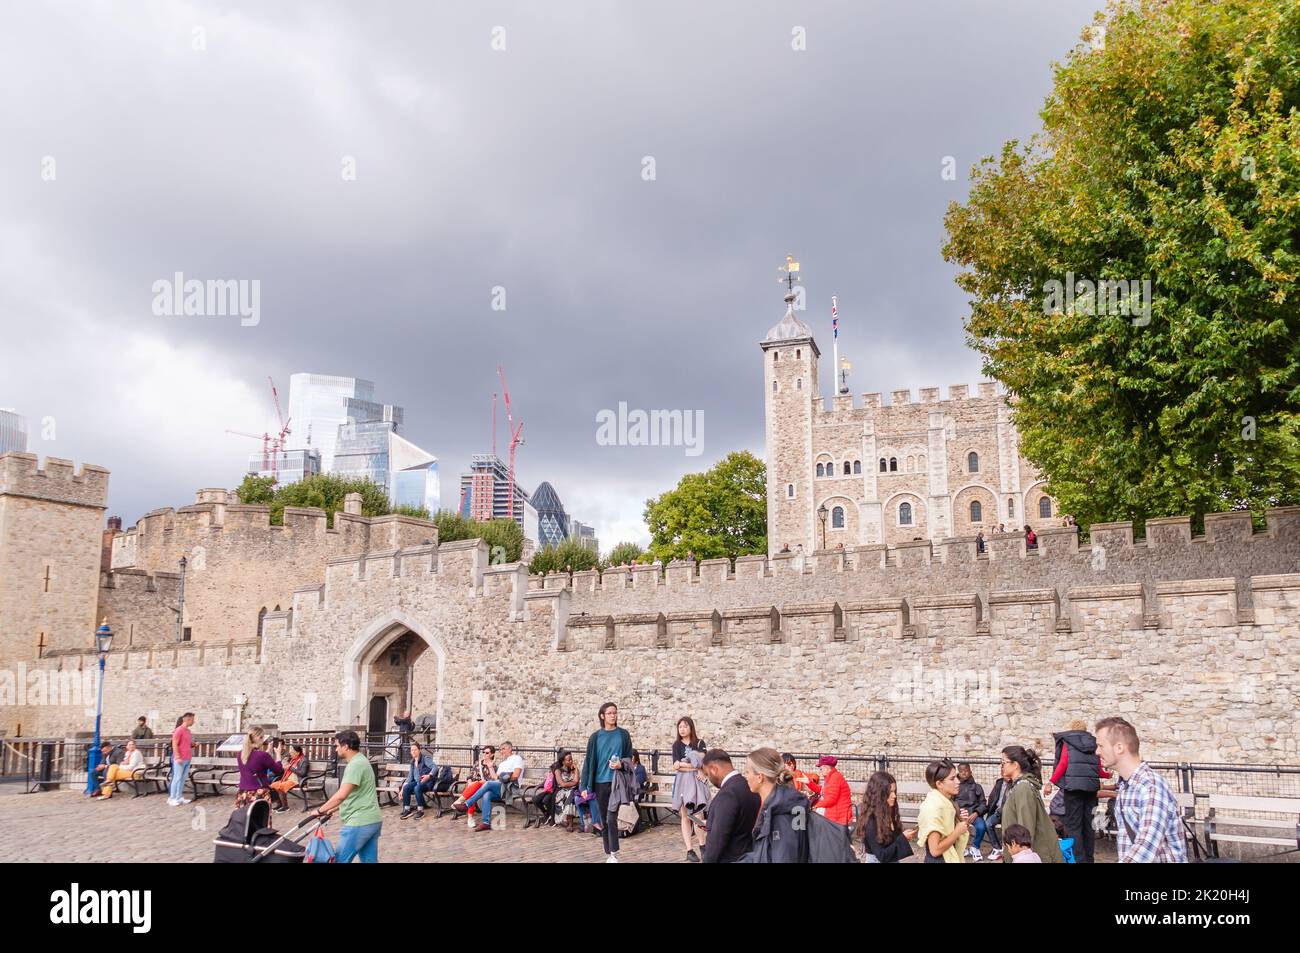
1023	771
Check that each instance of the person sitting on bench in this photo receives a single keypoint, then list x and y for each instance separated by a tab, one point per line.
132	761
510	772
419	779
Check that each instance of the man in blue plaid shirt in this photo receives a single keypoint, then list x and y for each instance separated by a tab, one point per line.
1150	825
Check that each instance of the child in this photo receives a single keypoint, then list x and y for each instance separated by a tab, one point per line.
1020	843
1067	842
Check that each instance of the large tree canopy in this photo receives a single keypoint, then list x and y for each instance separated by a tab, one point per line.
721	512
1170	151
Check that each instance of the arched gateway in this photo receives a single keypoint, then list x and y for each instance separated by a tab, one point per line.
380	664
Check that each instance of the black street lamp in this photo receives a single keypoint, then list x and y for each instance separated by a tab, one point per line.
180	609
823	513
103	642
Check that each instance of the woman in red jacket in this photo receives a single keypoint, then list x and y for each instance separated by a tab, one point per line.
836	802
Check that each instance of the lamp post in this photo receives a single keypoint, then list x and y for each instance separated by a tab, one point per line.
180	609
103	642
823	513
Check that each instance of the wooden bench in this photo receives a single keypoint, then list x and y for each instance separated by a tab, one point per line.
215	773
1230	810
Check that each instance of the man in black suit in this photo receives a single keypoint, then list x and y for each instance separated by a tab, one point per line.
731	814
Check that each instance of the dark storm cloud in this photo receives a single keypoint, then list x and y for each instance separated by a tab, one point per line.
478	168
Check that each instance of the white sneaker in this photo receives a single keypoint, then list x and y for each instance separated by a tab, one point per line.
612	859
974	854
171	803
184	800
996	855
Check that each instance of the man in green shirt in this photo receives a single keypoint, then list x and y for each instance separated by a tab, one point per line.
357	804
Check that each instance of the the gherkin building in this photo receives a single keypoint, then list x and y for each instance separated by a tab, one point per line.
552	521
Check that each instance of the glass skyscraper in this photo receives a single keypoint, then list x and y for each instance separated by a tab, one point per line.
290	465
320	403
552	521
373	450
13	432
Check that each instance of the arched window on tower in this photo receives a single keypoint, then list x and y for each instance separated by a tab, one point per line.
821	470
798	353
883	465
261	620
847	470
776	356
1011	509
837	518
904	514
857	467
773	387
789	491
973	462
893	464
911	464
1045	508
798	383
976	512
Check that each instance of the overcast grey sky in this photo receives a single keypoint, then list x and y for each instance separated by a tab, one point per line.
476	168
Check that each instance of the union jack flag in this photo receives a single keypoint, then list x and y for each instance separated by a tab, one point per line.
835	316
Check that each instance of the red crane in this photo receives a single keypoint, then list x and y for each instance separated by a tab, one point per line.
515	439
272	446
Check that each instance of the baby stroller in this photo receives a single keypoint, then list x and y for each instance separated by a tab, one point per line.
249	838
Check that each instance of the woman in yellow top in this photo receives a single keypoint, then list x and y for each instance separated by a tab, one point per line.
940	830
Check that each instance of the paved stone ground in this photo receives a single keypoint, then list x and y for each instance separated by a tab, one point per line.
65	826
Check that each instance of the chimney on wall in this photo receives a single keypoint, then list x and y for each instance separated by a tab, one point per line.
352	504
106	543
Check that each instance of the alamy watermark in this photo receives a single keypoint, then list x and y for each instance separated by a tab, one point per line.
215	297
1114	297
651	428
919	687
50	687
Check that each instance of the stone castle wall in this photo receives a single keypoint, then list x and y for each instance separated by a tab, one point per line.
238	564
50	547
1194	639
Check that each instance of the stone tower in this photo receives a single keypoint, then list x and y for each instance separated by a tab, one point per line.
790	387
50	550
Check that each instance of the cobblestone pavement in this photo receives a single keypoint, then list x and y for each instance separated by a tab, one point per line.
66	826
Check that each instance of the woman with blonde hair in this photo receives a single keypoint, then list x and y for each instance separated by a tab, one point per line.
256	769
1079	775
781	831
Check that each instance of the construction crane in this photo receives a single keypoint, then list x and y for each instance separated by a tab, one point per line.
515	439
272	446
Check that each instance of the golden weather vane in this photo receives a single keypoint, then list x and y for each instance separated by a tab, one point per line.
790	271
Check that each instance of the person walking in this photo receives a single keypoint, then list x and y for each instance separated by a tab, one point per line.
781	832
1150	823
690	790
606	748
1079	774
356	804
182	753
880	829
1022	770
732	812
941	830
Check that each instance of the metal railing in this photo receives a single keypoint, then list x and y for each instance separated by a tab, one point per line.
48	763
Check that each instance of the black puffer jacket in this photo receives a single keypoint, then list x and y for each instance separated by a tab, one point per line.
781	834
1083	771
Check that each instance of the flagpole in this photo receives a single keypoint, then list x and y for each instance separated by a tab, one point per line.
835	331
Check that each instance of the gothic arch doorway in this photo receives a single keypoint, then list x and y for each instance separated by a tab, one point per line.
379	667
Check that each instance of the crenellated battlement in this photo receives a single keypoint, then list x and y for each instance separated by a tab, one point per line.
58	481
960	398
1015	614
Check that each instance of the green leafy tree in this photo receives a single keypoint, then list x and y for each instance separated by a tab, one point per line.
406	509
1169	152
324	491
721	512
452	526
624	553
569	556
505	539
